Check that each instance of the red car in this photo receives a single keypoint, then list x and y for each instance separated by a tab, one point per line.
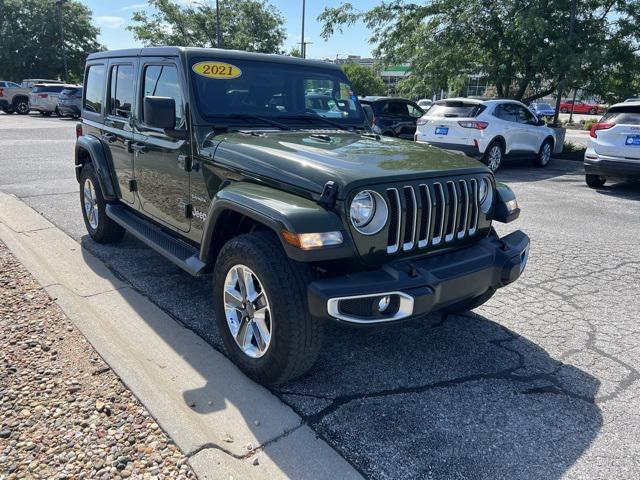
581	107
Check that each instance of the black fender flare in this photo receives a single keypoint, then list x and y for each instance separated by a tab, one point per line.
278	211
92	146
503	213
16	99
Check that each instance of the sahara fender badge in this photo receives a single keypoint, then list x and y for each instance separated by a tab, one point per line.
217	70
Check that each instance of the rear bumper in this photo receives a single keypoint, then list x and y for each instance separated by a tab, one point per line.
424	285
68	109
606	166
470	150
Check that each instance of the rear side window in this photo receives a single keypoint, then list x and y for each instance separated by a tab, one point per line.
121	90
455	109
94	85
396	109
629	115
162	81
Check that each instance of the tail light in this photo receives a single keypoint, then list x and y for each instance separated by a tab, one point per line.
1	92
473	124
599	126
43	95
78	130
422	121
374	120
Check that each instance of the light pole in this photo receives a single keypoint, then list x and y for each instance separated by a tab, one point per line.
303	50
218	24
64	53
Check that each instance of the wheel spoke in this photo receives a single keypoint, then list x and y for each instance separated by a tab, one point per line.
249	285
257	334
233	298
260	301
244	334
260	321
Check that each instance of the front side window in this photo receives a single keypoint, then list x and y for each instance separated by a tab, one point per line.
280	91
121	90
162	81
524	115
94	86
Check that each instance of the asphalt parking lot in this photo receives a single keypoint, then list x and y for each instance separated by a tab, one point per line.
540	383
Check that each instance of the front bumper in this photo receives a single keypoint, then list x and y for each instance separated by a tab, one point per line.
421	286
605	166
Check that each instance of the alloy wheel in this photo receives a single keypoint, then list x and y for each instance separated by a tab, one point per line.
247	311
545	155
22	108
495	157
90	203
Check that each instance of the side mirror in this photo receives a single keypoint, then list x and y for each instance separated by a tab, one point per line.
160	112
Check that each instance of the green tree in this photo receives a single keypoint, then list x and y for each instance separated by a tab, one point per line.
30	42
364	80
250	25
524	48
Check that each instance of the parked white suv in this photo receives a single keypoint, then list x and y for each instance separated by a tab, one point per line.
614	145
489	130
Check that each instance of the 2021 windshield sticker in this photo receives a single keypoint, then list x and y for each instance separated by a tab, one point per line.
217	70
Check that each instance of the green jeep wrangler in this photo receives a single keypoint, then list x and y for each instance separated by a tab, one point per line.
261	169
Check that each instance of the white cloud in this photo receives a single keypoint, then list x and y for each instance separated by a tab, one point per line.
135	6
108	21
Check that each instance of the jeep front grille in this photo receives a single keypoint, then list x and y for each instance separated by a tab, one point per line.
431	214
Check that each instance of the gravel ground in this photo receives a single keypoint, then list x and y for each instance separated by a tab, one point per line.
64	413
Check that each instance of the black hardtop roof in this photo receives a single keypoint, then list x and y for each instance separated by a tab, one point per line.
218	53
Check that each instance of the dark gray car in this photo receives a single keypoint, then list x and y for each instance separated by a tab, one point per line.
70	102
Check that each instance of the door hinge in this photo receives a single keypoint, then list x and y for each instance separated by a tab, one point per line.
185	162
133	185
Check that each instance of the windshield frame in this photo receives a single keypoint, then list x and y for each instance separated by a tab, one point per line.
307	71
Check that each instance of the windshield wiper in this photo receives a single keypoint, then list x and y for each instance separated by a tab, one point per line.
311	116
247	116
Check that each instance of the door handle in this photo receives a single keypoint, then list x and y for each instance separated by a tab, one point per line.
139	147
108	137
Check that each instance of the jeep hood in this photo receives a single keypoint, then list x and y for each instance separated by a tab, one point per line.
309	159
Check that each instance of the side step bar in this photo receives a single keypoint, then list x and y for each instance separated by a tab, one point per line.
183	255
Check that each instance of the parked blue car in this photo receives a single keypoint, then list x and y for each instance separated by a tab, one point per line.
542	109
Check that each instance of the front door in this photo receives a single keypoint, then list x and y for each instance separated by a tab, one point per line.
160	161
117	133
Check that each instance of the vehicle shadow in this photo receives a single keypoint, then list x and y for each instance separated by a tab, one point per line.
523	171
621	189
458	396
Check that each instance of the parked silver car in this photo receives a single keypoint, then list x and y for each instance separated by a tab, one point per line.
44	98
70	102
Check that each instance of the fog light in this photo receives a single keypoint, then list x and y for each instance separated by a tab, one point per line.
383	304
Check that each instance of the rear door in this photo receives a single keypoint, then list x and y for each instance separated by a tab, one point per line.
160	161
622	139
117	132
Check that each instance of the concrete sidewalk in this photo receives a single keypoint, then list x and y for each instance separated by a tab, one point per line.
228	426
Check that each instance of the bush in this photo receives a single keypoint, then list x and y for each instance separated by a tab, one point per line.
589	123
572	148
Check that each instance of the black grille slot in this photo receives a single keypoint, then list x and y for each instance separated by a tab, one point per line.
426	217
411	216
393	239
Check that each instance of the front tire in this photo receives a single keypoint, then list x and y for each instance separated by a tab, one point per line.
595	181
593	111
260	302
493	155
544	154
100	227
22	107
564	110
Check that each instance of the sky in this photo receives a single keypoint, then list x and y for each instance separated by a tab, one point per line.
113	16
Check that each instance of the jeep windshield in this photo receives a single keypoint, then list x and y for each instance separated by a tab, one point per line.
249	91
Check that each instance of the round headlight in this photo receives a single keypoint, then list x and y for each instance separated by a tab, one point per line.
486	195
368	212
363	207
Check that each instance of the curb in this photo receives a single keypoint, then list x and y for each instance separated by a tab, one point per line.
227	426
